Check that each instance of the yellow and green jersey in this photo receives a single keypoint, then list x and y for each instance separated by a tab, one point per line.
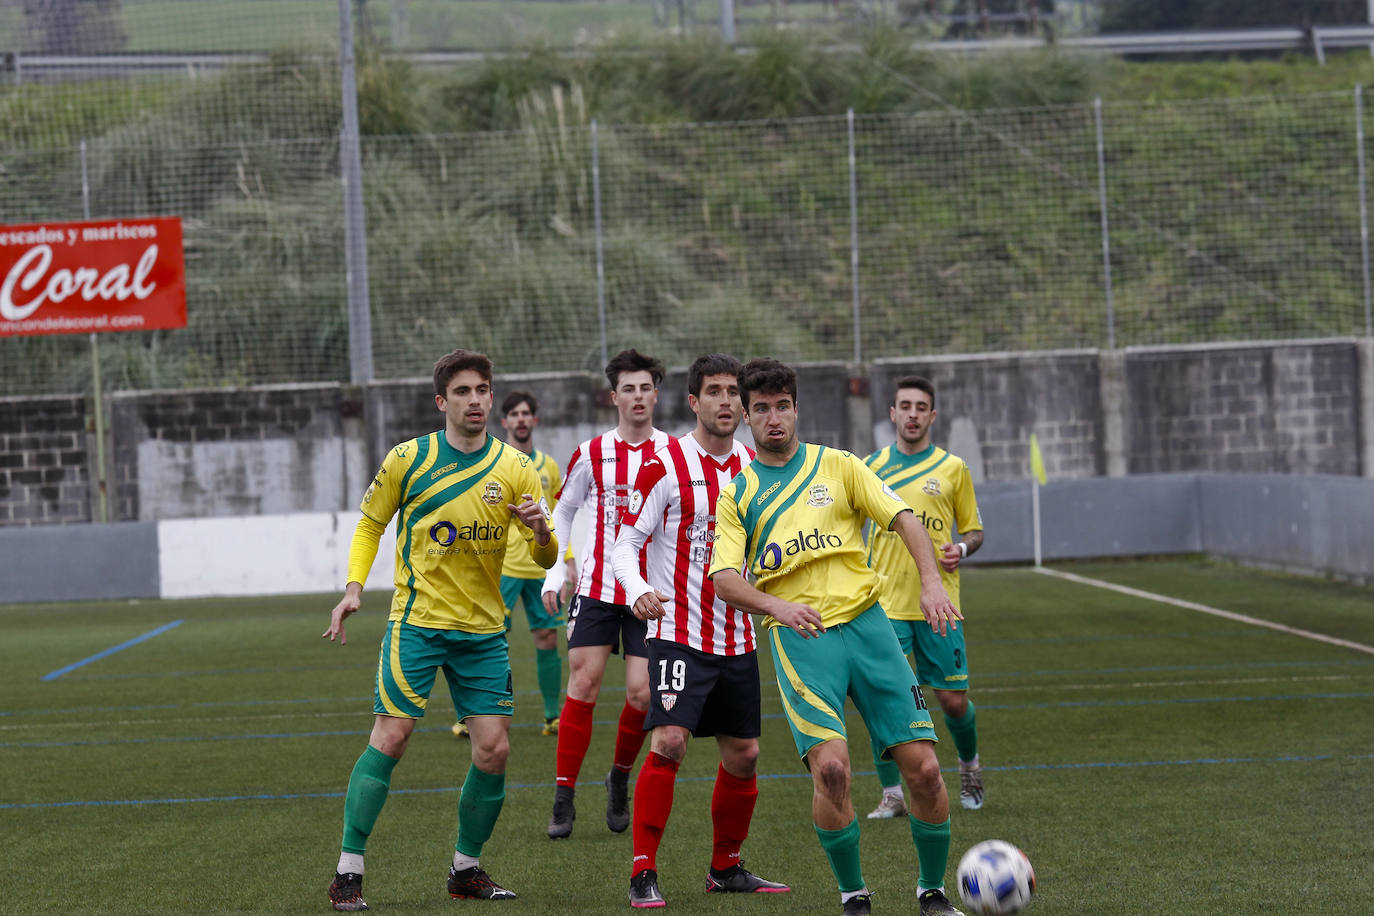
452	529
519	564
797	530
938	488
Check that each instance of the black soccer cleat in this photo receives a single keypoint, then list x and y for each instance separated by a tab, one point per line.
739	880
644	893
346	893
935	903
861	905
560	825
475	884
617	800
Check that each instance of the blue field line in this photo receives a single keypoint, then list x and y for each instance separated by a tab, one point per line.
51	675
544	786
1068	704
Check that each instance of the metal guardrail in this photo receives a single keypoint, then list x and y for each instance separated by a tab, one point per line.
1317	39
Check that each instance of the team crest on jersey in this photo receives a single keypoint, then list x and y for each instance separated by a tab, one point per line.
819	496
371	490
932	486
492	494
669	701
636	503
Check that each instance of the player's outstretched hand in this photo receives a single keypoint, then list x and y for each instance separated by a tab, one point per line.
950	557
802	618
939	611
349	604
649	606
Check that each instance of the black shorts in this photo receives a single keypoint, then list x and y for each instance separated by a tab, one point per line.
598	623
706	694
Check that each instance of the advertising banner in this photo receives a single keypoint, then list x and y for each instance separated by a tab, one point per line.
94	275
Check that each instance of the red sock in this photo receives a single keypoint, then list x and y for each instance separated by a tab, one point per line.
732	808
574	734
630	738
653	803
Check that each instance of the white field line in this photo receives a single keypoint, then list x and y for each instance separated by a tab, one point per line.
1205	609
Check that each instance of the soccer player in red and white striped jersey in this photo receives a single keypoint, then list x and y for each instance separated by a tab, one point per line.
703	668
599	477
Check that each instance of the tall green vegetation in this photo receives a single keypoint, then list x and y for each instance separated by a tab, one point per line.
724	199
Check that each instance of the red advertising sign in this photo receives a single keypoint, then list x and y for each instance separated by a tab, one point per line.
99	275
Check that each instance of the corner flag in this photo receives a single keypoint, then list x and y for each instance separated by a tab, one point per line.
1037	461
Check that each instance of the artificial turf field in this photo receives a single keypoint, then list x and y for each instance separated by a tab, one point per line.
1149	758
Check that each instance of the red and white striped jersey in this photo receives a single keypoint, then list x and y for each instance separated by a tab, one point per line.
600	476
673	507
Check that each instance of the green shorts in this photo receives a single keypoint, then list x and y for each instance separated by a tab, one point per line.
476	666
860	659
531	590
941	661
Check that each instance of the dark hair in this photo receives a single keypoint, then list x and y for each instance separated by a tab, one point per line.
767	376
918	382
451	364
632	361
515	399
710	364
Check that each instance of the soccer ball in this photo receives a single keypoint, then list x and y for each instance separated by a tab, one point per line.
995	879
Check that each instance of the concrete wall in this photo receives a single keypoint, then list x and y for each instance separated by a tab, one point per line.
45	462
1289	407
1303	524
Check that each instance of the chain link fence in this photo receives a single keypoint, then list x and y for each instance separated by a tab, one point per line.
840	238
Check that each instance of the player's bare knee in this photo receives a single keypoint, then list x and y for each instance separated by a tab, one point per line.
923	776
490	756
740	759
833	781
671	745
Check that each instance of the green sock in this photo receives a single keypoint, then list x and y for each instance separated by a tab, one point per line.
932	851
367	790
842	849
965	732
550	669
888	774
479	805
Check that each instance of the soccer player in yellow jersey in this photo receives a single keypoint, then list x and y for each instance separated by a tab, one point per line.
939	490
463	498
793	519
522	579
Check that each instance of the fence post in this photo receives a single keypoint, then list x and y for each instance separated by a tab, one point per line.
854	239
600	253
355	226
97	387
1106	233
1364	203
727	20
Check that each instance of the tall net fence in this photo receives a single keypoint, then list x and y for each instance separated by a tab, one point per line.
843	238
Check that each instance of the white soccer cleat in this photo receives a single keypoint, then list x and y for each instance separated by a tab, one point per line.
891	806
971	784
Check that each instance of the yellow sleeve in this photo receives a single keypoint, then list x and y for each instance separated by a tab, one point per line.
547	555
555	484
966	515
362	550
728	550
869	495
